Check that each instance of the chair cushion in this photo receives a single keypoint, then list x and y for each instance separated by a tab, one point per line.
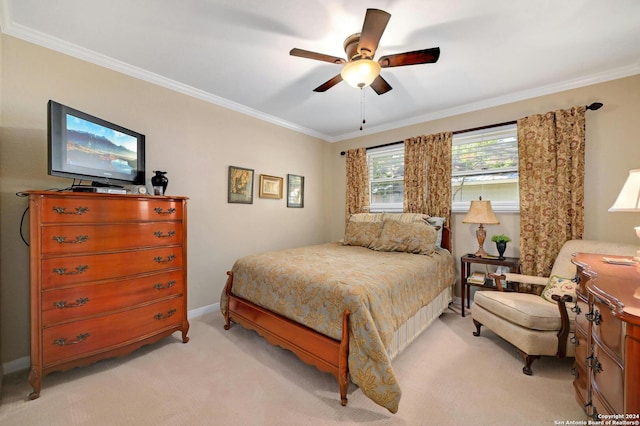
561	287
524	309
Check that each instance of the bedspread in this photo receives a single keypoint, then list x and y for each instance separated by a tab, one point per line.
313	286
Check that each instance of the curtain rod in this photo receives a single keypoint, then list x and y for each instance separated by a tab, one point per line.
594	106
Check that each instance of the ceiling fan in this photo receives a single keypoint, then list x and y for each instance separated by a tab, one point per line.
360	70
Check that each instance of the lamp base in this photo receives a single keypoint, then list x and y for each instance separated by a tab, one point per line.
481	253
481	234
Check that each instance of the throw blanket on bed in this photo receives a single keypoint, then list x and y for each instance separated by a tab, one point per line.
313	286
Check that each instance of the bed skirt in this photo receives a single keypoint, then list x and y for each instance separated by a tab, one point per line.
418	323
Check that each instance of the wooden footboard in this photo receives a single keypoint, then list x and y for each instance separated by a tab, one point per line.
313	348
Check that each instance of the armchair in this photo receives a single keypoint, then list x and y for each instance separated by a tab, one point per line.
534	325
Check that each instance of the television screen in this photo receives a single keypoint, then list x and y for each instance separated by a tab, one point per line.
85	147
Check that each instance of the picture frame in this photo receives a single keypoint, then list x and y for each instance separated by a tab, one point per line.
270	187
240	185
295	191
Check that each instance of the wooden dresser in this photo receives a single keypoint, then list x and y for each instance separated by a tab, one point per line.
108	275
607	363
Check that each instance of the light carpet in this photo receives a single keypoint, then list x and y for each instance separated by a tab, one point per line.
447	376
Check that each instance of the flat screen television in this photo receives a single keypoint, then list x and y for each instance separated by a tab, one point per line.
85	147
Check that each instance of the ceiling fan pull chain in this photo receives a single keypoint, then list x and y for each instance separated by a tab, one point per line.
362	108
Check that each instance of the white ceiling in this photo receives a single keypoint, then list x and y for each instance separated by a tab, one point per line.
235	53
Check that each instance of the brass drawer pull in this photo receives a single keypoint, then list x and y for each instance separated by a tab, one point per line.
159	286
168	235
594	317
574	340
160	210
63	271
576	309
63	240
593	363
160	316
597	366
158	259
78	210
62	304
63	340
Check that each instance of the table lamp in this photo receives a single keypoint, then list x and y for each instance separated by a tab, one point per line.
480	212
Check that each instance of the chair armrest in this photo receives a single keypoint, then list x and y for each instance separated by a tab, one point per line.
563	333
518	278
526	279
498	280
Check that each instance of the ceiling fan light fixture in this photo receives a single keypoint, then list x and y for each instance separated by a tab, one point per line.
361	72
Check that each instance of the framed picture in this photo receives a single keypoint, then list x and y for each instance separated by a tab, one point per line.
295	191
240	185
270	186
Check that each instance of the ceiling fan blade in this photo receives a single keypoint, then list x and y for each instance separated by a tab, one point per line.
375	21
317	56
380	85
328	84
424	56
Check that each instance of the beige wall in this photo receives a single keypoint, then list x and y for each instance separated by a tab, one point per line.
196	141
612	149
193	140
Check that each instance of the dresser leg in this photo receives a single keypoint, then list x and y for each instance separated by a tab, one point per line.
185	330
35	380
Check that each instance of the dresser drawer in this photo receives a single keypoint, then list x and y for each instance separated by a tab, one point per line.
68	239
608	379
581	320
65	271
581	380
83	338
600	407
82	301
607	329
101	210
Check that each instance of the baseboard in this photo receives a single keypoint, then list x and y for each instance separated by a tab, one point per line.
16	365
24	362
198	312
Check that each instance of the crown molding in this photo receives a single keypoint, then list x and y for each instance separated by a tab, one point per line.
586	80
70	49
44	40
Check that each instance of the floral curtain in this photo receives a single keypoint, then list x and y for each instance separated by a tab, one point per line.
427	175
551	151
357	195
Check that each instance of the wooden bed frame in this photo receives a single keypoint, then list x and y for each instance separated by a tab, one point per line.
326	354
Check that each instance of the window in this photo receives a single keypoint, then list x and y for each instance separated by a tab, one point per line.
386	178
485	164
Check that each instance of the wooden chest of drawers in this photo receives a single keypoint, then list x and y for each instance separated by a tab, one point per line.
607	364
108	275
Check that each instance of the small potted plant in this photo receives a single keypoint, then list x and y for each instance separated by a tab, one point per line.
501	241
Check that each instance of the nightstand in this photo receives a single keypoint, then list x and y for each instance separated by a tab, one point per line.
513	263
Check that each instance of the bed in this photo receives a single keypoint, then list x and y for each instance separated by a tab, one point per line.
348	307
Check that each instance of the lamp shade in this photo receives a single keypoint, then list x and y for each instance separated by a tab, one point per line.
629	198
361	72
481	212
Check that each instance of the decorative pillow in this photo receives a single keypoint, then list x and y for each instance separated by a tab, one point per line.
412	237
560	286
362	233
405	217
366	217
438	222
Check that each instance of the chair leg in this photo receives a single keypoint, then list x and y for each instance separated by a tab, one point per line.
478	325
528	360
